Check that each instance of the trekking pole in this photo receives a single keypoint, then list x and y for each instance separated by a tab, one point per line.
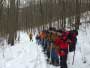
59	59
51	52
68	52
74	55
73	58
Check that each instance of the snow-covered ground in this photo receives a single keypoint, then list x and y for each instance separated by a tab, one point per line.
23	55
26	54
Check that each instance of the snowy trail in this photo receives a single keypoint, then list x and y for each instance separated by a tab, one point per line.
23	55
26	54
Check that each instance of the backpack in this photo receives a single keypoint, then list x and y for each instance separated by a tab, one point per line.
72	46
73	37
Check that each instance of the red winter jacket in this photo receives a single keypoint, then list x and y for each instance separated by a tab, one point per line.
63	46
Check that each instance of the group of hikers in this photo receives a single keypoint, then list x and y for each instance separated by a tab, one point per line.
57	44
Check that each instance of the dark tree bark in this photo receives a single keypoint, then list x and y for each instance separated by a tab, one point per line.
1	7
12	22
77	19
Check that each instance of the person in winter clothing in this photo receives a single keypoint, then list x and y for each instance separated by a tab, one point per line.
51	53
72	40
48	45
62	50
42	36
30	36
54	57
38	39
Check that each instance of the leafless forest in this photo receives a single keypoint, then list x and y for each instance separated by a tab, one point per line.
16	15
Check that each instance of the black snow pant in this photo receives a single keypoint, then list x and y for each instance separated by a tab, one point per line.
63	61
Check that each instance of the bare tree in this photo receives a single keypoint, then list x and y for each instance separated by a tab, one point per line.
12	22
77	17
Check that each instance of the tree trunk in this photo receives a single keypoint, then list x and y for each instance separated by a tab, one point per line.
77	18
12	22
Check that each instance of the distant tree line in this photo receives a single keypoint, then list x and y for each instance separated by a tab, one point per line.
39	14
